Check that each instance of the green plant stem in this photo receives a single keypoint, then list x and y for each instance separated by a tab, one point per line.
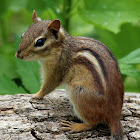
3	32
66	13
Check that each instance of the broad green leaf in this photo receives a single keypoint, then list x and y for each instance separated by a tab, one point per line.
75	27
7	66
110	14
129	70
132	58
7	86
124	42
29	74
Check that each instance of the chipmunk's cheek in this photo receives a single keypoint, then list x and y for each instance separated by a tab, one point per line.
29	57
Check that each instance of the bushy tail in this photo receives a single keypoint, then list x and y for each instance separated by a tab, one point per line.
116	131
118	136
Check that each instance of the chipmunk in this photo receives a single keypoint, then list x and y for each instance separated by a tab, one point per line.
85	65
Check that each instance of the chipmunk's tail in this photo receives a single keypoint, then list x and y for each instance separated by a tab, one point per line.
116	130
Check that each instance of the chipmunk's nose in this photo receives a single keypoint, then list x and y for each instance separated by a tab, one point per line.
18	54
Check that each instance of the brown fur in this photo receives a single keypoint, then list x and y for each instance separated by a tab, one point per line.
68	60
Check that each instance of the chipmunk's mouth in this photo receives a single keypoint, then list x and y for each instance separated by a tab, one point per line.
18	55
26	58
23	57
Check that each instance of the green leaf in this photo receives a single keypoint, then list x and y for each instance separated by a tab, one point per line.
124	42
7	86
129	70
8	67
29	74
132	58
110	15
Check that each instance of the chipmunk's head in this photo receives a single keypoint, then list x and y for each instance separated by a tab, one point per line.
40	39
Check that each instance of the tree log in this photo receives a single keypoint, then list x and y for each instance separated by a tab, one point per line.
25	119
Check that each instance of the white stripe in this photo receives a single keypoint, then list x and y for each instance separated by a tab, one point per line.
93	60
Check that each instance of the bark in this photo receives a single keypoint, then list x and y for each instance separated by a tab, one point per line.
22	119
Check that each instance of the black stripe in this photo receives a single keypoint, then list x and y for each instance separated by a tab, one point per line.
116	63
110	53
103	68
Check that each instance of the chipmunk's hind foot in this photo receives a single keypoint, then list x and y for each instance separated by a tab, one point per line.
74	127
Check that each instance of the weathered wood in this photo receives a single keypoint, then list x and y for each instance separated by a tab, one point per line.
22	119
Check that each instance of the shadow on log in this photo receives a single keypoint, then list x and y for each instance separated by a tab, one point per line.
22	119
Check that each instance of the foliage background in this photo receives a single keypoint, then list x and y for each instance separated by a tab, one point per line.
115	23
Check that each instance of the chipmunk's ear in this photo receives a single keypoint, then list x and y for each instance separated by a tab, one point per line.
34	17
54	27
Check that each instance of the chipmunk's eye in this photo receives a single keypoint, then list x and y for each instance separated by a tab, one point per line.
40	42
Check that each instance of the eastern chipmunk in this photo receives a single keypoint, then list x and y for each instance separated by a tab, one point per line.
85	65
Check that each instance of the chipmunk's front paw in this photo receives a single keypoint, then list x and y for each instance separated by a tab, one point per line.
37	96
